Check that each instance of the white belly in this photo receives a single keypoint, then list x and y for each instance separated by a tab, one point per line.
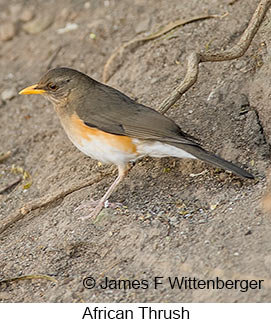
97	149
159	149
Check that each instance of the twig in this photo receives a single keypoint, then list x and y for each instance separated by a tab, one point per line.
9	280
3	188
53	57
46	200
194	59
134	43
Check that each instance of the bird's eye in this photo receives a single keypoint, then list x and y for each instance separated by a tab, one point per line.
52	86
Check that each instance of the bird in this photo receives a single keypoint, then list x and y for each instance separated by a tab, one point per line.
107	125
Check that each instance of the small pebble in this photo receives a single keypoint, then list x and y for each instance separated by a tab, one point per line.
39	24
69	26
7	31
223	176
8	94
87	5
92	36
27	15
213	206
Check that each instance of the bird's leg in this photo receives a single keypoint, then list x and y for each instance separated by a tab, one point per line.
122	172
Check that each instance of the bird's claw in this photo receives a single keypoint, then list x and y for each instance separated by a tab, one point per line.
95	207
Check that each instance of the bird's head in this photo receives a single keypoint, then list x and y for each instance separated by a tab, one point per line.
58	84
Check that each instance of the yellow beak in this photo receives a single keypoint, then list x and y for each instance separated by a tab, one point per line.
32	90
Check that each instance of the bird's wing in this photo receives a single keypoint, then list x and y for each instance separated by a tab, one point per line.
111	111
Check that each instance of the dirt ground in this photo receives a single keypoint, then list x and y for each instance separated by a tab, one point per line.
170	223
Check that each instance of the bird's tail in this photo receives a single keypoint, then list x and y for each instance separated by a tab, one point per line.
210	158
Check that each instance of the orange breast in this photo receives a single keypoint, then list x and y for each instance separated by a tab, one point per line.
78	131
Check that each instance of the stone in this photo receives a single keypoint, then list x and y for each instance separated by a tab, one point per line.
7	31
8	94
38	25
69	27
27	15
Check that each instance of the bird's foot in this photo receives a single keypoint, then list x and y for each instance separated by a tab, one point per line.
94	211
95	207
